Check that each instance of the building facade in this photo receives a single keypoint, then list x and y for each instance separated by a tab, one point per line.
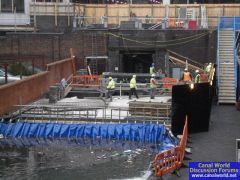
14	12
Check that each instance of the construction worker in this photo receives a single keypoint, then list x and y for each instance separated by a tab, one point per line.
152	69
208	68
63	85
110	88
153	86
197	77
186	77
133	87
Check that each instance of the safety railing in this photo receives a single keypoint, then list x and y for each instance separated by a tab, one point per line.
164	85
86	81
171	160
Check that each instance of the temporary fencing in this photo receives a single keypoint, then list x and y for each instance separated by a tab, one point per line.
171	160
167	161
86	81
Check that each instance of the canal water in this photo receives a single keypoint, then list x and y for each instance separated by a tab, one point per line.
60	159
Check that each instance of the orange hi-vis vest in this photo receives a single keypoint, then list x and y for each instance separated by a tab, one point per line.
186	76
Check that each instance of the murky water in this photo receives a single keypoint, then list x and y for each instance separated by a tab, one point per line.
74	159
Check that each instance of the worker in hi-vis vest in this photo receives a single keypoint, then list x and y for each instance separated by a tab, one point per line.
186	77
110	88
133	87
152	69
197	78
208	68
153	86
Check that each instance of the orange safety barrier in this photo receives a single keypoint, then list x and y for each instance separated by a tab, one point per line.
169	82
171	160
183	142
86	81
167	161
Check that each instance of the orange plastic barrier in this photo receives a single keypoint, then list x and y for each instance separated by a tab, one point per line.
169	82
170	160
167	161
183	142
86	81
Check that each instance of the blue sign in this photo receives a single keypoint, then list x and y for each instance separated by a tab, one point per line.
214	170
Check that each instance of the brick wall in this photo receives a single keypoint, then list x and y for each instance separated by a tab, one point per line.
202	49
54	46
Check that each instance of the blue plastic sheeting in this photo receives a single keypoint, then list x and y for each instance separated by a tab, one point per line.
150	133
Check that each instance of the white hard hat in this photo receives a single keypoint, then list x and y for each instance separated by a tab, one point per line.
153	75
134	76
197	71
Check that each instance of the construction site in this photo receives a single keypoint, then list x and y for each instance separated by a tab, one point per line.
117	89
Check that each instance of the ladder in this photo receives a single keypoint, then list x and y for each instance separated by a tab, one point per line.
226	80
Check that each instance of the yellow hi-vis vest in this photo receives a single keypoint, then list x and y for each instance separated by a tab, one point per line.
208	68
111	84
133	83
152	70
197	78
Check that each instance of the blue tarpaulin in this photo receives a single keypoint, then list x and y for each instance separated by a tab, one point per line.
151	133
